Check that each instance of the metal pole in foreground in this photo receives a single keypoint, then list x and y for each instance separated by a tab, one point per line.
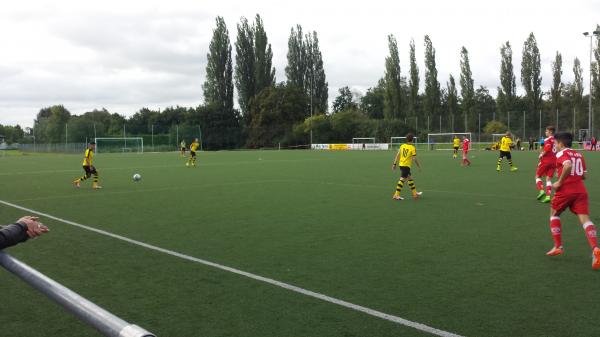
102	320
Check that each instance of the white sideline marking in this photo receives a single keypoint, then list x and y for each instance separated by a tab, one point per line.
356	307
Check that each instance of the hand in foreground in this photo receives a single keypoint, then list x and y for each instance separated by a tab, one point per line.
34	227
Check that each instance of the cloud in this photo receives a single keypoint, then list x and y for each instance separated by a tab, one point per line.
124	55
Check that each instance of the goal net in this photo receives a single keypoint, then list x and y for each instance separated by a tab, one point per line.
445	141
122	144
366	140
396	142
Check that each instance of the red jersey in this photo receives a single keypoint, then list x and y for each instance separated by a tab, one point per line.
466	145
573	183
549	151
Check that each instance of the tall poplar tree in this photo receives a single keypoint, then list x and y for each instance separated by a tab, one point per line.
557	84
393	89
295	70
577	90
315	81
507	92
245	64
432	86
218	86
531	77
452	100
467	90
413	82
264	71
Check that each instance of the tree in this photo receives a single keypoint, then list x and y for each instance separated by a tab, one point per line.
305	68
218	87
531	74
245	64
275	111
557	84
373	101
393	90
577	89
507	91
467	91
296	59
484	103
344	101
432	86
452	96
217	114
318	88
265	73
413	83
50	124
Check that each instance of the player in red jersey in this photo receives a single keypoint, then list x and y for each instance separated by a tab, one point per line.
571	193
466	146
546	166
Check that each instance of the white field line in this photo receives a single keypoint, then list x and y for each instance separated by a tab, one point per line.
287	286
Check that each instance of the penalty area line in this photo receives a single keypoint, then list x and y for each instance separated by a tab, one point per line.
287	286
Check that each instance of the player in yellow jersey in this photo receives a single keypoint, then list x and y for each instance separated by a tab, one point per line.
456	145
505	145
193	147
405	157
89	168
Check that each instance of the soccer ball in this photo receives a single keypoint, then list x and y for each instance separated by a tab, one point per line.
137	177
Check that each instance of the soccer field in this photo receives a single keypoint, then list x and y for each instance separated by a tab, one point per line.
467	259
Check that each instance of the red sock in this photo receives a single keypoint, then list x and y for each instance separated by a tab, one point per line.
538	183
590	233
548	188
555	229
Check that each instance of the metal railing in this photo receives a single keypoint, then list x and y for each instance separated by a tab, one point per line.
102	320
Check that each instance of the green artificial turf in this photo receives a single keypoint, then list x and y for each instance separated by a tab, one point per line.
467	258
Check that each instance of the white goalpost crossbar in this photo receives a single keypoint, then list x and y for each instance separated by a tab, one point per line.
432	135
139	141
359	140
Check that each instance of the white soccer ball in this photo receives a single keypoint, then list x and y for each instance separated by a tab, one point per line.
137	177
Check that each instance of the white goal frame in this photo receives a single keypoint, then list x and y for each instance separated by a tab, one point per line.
140	144
394	138
372	140
468	134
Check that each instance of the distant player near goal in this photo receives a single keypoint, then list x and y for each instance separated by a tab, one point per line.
466	146
505	144
571	193
404	157
182	148
89	168
546	166
455	145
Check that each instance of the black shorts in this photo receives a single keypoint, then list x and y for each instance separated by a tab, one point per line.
89	170
456	148
404	171
192	153
505	154
183	149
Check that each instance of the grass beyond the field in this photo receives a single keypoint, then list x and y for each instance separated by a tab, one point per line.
467	258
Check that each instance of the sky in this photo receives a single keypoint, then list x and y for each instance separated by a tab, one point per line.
127	54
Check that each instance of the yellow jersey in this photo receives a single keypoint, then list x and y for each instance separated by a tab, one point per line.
194	146
505	144
407	152
89	156
456	142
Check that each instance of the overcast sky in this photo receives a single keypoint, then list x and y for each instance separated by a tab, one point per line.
124	55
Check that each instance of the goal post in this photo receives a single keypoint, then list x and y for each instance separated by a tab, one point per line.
444	141
119	144
363	140
396	142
